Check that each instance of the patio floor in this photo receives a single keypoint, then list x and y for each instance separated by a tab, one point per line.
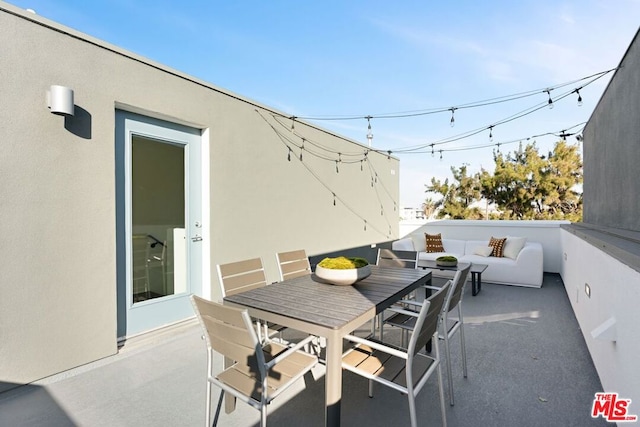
528	366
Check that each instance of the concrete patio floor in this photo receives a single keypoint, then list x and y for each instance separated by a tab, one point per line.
528	366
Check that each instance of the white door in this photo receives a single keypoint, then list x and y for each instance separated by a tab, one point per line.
158	221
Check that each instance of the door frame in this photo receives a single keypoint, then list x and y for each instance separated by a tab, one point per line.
131	318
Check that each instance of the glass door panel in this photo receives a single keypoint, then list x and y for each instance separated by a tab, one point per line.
158	219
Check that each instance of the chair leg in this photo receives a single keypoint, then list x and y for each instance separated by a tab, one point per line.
208	416
412	408
462	342
449	374
443	409
370	388
263	415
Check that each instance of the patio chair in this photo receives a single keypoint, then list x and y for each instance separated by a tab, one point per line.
293	264
393	258
258	372
449	325
240	276
405	370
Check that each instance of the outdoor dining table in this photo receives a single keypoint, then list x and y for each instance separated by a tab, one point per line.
308	305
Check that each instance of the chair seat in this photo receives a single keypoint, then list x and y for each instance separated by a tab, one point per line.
245	377
371	363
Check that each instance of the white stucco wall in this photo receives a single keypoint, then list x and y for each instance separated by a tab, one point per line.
614	293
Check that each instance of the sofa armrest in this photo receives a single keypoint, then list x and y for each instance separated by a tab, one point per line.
405	244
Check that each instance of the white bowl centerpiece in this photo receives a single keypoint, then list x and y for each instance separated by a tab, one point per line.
343	271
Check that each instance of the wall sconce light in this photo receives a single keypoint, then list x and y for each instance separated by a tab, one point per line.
60	100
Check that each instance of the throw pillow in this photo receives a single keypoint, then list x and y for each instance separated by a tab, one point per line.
498	246
484	251
434	242
513	246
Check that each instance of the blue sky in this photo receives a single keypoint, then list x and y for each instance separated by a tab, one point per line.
369	58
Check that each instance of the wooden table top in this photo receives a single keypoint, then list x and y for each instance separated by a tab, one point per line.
307	299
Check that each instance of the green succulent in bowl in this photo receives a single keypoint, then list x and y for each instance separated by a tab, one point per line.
447	258
343	263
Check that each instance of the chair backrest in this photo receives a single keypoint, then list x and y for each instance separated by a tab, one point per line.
396	258
459	280
428	318
229	332
241	276
293	264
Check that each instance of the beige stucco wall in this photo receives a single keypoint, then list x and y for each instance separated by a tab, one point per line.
57	189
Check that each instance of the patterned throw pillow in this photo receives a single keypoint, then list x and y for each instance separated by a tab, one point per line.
498	246
434	242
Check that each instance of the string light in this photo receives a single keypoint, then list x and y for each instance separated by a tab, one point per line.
579	97
302	148
491	133
293	124
440	154
432	153
476	104
289	154
550	101
453	120
369	134
334	199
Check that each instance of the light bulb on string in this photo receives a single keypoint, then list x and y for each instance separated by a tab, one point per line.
289	154
293	124
301	149
579	98
334	199
365	225
432	152
453	120
369	134
440	154
550	101
491	133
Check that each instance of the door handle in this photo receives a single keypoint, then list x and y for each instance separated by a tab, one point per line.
196	238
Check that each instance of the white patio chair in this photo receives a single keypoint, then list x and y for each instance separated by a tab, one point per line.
404	370
258	372
240	276
293	264
449	326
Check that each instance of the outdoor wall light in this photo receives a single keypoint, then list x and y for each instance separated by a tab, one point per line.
60	100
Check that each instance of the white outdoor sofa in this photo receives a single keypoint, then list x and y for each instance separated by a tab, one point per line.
525	269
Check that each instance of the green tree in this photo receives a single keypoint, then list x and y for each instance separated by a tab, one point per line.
457	197
524	185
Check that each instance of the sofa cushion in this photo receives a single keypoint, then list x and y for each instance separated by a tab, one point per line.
484	251
513	246
434	242
498	246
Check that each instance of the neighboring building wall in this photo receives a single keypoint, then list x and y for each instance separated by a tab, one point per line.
603	253
612	150
57	189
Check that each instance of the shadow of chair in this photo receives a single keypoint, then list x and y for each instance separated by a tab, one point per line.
258	372
404	370
293	264
449	326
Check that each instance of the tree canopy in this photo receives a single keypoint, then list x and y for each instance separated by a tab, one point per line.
523	185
